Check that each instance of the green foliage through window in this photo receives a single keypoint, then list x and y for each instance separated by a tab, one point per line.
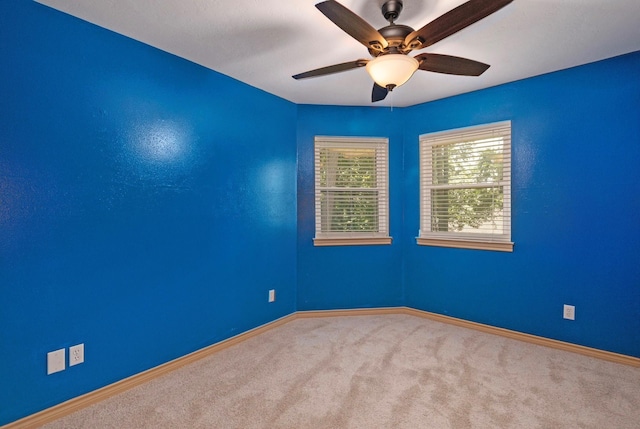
472	170
349	195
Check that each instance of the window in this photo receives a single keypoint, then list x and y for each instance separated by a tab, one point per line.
351	191
465	188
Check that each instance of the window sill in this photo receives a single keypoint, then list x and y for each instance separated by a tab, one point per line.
467	244
361	241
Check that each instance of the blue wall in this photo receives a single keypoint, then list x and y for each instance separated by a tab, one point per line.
348	276
147	205
576	209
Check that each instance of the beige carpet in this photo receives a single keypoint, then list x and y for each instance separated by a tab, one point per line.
389	371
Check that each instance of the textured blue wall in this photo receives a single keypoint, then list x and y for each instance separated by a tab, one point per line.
576	209
348	276
147	205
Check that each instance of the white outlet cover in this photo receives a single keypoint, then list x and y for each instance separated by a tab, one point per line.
76	354
55	361
272	295
569	312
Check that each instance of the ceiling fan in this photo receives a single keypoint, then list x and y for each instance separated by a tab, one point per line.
390	46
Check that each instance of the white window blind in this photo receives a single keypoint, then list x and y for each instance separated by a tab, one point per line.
351	190
465	188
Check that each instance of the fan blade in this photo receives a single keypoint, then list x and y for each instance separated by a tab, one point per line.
353	25
336	68
454	21
450	65
379	93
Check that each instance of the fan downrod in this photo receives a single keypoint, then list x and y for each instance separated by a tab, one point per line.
391	10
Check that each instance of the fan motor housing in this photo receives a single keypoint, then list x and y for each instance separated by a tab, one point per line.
395	32
395	35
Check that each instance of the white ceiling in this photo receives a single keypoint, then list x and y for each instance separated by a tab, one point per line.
264	42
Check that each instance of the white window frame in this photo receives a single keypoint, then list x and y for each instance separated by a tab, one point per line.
350	238
498	241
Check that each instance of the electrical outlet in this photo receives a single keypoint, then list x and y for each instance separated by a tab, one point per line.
76	354
272	295
569	312
55	361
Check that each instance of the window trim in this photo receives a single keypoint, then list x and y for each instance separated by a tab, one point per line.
356	241
466	244
354	238
494	242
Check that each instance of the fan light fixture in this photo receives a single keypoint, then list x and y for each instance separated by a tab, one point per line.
390	45
392	70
